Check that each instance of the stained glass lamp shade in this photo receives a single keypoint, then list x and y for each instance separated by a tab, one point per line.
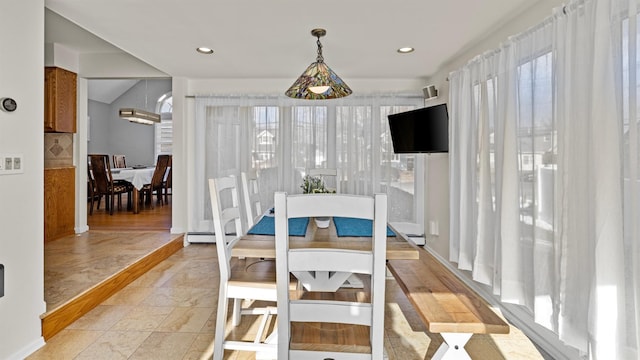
318	81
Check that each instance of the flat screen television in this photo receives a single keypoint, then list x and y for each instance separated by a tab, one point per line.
424	130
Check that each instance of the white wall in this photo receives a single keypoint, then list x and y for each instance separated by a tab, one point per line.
182	110
98	127
21	195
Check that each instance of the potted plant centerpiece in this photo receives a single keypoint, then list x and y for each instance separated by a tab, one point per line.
315	185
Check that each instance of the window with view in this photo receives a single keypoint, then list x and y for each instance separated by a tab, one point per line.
164	130
283	142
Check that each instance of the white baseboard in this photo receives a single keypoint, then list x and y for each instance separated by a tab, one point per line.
81	229
27	350
517	316
200	238
177	230
417	240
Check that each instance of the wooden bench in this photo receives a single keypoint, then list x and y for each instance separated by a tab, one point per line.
445	304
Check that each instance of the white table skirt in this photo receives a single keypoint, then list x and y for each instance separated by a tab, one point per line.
137	177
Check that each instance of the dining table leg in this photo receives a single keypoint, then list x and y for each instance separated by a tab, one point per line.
136	203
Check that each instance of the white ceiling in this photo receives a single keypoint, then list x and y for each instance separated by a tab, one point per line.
107	90
271	39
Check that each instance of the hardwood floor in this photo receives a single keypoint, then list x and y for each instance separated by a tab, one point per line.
158	218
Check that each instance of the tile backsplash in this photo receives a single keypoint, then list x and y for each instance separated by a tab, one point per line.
58	150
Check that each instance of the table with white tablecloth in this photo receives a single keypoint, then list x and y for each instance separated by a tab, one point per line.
137	177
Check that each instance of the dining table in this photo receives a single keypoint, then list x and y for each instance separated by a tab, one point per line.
259	242
138	177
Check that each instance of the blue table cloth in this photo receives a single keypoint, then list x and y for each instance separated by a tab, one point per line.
267	226
356	227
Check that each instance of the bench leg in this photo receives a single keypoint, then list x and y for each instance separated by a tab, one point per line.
453	347
322	280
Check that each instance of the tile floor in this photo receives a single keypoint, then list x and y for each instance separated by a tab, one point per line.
75	263
169	313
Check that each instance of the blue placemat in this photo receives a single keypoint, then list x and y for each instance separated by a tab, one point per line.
267	226
355	227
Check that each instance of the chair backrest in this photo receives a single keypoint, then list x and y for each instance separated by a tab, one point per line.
324	259
119	162
91	187
225	209
101	171
161	168
324	174
251	196
167	177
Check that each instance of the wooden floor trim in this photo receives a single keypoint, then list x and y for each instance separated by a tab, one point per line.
57	319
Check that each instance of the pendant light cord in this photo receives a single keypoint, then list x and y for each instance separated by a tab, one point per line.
319	58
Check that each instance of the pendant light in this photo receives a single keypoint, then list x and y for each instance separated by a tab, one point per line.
318	81
140	116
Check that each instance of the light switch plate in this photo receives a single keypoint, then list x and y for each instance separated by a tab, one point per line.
11	164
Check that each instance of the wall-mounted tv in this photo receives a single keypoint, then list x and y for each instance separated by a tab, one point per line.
424	130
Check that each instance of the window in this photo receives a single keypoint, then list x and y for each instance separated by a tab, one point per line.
164	130
264	135
309	140
561	241
282	142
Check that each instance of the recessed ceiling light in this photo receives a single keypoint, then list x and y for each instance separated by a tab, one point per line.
204	50
405	50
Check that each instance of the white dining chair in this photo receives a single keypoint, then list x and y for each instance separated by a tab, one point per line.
237	282
310	308
251	196
119	161
324	174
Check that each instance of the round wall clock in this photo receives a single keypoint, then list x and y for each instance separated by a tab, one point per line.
8	104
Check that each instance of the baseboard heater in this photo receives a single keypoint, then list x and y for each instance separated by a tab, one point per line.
410	231
201	237
198	237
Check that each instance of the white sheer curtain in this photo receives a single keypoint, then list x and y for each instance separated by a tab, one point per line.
544	174
283	138
627	34
361	128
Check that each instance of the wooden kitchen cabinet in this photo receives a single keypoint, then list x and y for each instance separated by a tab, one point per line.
59	100
59	202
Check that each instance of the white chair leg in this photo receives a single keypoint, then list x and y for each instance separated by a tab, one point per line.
266	350
221	319
453	347
237	312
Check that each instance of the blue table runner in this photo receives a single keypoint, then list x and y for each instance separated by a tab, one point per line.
267	226
356	227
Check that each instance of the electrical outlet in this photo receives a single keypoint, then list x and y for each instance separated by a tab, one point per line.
17	163
8	163
1	280
433	228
